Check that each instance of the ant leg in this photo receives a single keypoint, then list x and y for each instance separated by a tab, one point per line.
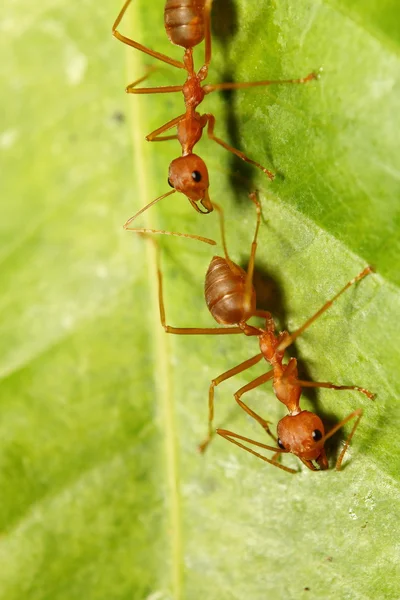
247	388
184	330
357	413
264	314
207	32
131	88
203	72
248	84
129	42
154	136
210	133
289	339
332	386
149	70
248	287
276	456
233	437
164	138
250	362
234	268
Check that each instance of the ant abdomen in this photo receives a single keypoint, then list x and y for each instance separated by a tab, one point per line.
225	292
184	22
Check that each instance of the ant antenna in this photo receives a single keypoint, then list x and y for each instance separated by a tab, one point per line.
142	210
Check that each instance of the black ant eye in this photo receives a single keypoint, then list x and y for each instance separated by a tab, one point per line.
169	183
196	176
281	446
316	435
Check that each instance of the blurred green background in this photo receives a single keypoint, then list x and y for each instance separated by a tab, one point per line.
103	493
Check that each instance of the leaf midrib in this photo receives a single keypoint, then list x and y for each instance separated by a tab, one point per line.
163	383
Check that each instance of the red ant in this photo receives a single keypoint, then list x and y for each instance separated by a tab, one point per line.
188	23
231	299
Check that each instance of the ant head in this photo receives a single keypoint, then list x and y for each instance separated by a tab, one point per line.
188	174
301	435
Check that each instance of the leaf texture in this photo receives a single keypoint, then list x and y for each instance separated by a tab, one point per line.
103	492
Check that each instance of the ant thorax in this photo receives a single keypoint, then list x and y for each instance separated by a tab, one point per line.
269	343
189	132
193	92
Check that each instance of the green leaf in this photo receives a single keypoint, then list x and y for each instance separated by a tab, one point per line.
103	492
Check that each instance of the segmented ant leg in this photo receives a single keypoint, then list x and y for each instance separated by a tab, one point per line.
149	70
263	314
184	330
132	89
203	72
289	339
210	133
249	84
233	266
234	437
154	136
332	386
356	413
164	138
129	42
250	362
207	32
276	456
250	267
247	388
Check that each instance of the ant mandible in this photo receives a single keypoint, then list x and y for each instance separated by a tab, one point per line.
187	24
231	299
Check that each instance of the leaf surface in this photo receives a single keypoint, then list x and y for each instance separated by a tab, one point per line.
103	492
